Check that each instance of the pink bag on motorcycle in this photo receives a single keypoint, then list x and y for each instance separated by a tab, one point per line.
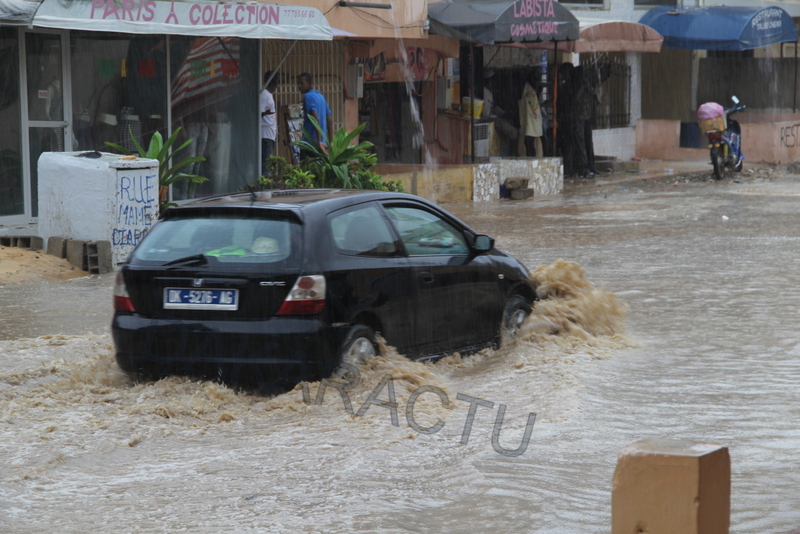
710	110
711	117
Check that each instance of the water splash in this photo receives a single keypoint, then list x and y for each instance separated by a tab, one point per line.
573	323
571	305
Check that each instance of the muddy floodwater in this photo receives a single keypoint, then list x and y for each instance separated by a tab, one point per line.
673	315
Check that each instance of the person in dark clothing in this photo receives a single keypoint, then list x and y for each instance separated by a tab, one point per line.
571	121
587	96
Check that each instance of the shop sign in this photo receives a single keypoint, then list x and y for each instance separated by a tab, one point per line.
241	19
534	18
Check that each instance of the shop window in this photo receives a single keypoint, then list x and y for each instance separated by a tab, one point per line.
119	85
611	77
214	99
11	189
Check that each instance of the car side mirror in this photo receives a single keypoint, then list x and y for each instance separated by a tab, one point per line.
483	243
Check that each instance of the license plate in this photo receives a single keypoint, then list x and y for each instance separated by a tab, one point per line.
176	298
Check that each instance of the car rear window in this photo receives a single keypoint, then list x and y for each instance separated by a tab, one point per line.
225	238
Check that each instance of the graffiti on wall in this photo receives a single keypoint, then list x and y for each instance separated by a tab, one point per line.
789	136
136	209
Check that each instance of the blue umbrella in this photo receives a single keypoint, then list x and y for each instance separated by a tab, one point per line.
721	27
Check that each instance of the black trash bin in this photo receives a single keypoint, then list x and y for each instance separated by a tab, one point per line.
691	136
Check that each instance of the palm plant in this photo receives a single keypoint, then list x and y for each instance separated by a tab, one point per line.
167	175
340	164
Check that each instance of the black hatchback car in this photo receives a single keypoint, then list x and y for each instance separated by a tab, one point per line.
286	284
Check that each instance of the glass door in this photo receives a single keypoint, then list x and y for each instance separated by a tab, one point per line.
46	111
12	192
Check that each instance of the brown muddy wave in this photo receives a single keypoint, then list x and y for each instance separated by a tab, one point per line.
57	390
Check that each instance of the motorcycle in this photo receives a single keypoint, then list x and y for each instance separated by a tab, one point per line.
724	136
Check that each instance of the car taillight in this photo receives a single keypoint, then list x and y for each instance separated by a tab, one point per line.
122	301
307	297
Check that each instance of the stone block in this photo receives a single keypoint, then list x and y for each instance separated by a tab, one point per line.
516	183
76	254
671	486
521	194
57	246
37	243
99	257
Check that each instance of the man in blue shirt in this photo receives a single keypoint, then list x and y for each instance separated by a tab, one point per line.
314	105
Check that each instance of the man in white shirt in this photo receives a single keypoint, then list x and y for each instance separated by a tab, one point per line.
269	119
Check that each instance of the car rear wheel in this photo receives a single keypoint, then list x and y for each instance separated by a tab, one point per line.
358	347
516	311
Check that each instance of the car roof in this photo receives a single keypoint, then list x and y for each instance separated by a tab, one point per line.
295	199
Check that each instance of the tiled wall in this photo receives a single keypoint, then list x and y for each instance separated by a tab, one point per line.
545	176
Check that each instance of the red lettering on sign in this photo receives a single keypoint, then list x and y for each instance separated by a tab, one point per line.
96	4
193	17
274	15
149	10
534	8
127	9
111	9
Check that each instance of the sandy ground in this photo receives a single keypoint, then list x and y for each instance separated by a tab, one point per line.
23	265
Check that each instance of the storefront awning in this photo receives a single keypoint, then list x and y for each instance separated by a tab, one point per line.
721	27
251	20
598	35
507	21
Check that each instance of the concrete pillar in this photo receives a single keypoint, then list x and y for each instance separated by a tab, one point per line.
671	486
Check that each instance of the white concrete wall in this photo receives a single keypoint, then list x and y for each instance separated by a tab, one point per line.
545	176
104	199
617	142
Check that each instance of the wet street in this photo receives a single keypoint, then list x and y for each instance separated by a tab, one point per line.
707	272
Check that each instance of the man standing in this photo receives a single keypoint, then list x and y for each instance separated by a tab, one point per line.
314	105
269	119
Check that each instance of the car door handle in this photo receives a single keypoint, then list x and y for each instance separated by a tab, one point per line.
426	277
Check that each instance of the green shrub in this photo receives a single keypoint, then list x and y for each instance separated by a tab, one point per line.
342	164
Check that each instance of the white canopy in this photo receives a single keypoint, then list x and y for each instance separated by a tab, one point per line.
251	20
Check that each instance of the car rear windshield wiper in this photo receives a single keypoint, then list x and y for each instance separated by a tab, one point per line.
194	258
